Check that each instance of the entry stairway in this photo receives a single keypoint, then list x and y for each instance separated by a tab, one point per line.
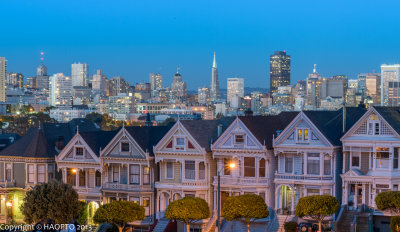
353	221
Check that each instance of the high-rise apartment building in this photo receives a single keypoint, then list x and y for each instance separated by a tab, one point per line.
80	74
3	70
117	85
99	82
235	88
155	83
373	88
389	73
42	79
15	80
279	70
60	91
215	93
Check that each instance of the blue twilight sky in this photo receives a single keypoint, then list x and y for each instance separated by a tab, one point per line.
135	37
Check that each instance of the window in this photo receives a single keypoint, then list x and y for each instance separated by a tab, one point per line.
8	172
202	171
115	173
79	151
288	163
396	158
190	170
373	125
82	178
146	205
355	159
395	187
239	139
227	170
261	169
31	173
327	165
312	192
170	170
302	135
326	191
134	199
146	175
134	174
180	143
249	167
50	172
313	163
41	169
382	157
98	179
124	147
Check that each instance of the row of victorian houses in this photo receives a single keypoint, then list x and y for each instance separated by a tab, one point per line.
352	154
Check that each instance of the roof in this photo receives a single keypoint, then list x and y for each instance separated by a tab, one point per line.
391	116
148	136
98	140
330	123
264	128
41	142
6	139
205	132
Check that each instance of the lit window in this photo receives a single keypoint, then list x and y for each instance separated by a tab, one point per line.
302	135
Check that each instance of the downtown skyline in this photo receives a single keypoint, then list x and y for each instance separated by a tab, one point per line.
142	38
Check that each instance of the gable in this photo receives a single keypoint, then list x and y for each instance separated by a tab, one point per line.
301	132
237	136
77	150
123	146
178	140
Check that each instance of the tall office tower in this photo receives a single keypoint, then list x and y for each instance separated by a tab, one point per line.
333	87
3	70
361	83
178	88
373	88
99	82
117	85
80	74
279	70
389	73
143	91
155	83
42	79
31	82
314	83
235	88
203	94
60	90
215	93
14	80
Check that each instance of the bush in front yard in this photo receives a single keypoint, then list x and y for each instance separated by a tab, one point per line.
290	226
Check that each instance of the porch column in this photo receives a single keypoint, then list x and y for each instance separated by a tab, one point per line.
363	194
64	174
293	193
345	195
373	194
128	181
86	178
305	163
373	161
321	164
141	175
344	162
77	177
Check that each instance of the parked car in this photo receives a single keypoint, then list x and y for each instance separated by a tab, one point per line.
307	227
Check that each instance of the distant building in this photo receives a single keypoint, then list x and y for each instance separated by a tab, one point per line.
99	82
235	87
117	85
42	79
67	114
60	91
333	87
122	104
143	91
80	74
215	93
3	71
361	77
203	94
15	80
279	70
389	73
394	93
373	88
178	88
314	84
155	83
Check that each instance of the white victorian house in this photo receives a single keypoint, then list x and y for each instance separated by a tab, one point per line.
309	156
247	143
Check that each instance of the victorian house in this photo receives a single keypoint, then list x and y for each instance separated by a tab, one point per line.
371	160
247	144
185	163
30	161
310	157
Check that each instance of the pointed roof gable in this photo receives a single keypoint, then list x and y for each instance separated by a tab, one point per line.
98	140
264	128
391	116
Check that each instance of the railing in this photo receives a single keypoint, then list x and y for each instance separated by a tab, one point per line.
211	222
194	183
241	180
83	189
8	184
127	187
301	177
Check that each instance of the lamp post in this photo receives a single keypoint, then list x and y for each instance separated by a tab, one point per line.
230	166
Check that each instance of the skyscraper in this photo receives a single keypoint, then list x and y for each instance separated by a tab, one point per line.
389	73
235	88
178	87
279	70
373	88
203	94
60	90
117	85
99	82
3	70
214	88
314	83
80	74
42	79
155	83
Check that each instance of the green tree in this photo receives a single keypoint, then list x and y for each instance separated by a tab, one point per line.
390	201
246	208
119	213
290	226
188	210
317	207
83	214
53	200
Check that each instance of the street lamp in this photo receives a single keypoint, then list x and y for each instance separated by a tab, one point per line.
231	165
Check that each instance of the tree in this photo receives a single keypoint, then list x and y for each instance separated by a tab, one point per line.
53	200
290	226
246	208
83	214
119	213
317	207
390	201
188	210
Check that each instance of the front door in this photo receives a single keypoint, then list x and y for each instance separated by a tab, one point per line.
286	199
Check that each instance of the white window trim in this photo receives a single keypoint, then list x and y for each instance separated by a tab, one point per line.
234	139
179	146
302	133
75	154
351	160
120	147
374	122
195	170
166	170
5	172
27	173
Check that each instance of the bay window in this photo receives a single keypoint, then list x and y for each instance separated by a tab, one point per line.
249	167
313	163
41	169
288	163
134	174
327	165
382	157
190	170
169	170
202	171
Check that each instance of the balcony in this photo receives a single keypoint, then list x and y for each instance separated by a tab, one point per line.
84	190
245	181
289	176
127	187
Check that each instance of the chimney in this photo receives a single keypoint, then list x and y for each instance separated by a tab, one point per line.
219	130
